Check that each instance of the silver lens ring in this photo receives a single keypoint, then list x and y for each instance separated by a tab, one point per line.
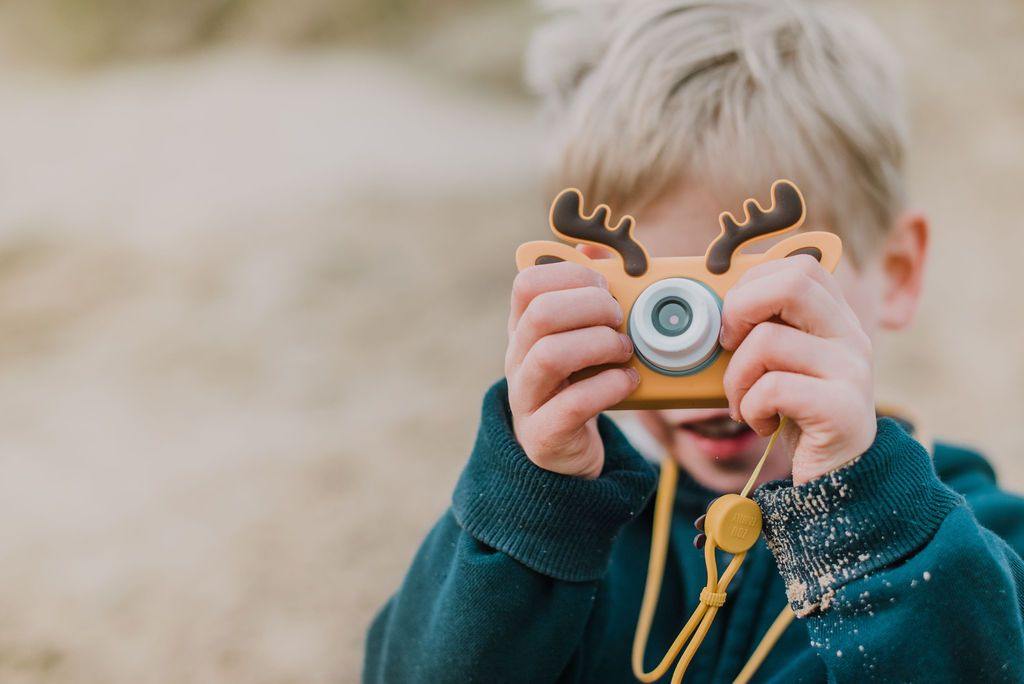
674	325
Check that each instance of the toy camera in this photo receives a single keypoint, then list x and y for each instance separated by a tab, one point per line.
672	306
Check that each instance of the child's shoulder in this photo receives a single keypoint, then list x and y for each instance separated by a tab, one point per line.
963	468
969	473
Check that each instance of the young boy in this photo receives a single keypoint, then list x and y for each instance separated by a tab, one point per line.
901	560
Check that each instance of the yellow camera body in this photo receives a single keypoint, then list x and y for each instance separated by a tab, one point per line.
672	305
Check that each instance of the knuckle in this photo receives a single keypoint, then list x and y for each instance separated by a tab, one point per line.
540	314
544	356
600	306
594	294
730	314
770	385
571	268
522	284
737	370
578	273
795	285
734	371
601	298
594	277
756	271
572	414
760	344
730	381
728	306
750	406
763	336
807	264
525	277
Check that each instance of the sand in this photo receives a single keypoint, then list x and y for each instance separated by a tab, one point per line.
250	300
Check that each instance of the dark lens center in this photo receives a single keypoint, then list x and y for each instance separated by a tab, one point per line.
672	316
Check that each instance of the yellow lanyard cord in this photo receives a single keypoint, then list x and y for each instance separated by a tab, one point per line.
764	457
763	648
711	598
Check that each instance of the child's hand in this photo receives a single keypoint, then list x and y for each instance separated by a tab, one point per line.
563	320
800	352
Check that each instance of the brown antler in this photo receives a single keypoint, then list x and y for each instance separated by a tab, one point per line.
785	213
568	221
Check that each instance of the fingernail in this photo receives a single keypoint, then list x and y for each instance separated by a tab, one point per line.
627	344
633	375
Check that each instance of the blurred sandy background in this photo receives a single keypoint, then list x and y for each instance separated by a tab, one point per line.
254	259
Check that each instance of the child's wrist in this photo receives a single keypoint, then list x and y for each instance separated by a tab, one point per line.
559	526
868	514
808	467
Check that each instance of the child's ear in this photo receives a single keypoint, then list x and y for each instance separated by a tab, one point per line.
902	262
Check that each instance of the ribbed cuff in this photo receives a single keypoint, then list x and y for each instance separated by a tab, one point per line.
560	526
873	513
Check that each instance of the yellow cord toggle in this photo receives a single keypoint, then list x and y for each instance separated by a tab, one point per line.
733	523
712	598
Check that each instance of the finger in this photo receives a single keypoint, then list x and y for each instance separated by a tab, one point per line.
776	347
806	264
534	280
555	357
792	296
568	410
557	311
803	399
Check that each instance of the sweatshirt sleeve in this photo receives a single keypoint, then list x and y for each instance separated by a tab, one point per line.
893	573
502	588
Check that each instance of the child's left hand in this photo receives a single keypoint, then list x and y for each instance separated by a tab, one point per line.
800	352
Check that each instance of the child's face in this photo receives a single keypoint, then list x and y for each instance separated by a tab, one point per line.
718	452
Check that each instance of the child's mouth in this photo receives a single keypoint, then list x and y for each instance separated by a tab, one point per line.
719	427
719	436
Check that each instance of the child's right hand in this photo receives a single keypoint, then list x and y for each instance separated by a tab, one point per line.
563	320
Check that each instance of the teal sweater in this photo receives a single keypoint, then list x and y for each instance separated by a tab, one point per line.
900	566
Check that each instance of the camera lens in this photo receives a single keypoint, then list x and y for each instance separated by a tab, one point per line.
672	316
674	325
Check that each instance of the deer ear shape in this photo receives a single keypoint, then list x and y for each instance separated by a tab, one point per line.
827	248
547	252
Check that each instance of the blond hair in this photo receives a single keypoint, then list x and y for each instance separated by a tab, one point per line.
646	93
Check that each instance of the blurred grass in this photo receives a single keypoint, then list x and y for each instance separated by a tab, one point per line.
89	32
218	456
